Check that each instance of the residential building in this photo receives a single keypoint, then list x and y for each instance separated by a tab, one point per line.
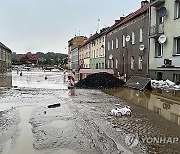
126	44
164	58
75	59
98	50
72	44
5	58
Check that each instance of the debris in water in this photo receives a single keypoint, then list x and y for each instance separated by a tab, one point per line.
121	111
54	105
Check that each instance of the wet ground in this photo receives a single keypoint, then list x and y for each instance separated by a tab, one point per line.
83	123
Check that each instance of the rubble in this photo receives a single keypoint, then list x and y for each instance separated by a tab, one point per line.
167	84
100	81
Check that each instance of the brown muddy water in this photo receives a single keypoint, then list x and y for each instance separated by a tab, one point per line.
163	103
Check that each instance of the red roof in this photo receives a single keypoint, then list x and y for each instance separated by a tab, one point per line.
131	16
30	56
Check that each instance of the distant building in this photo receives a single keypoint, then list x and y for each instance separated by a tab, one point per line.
164	55
72	44
29	58
126	44
5	58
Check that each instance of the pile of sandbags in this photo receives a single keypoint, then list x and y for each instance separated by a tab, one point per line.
100	81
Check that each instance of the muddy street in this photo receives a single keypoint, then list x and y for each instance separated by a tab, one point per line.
83	123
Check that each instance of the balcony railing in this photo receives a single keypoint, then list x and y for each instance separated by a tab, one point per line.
156	3
156	30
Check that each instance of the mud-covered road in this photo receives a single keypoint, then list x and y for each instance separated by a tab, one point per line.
82	124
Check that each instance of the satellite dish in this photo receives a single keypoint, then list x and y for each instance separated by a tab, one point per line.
128	38
141	47
162	12
110	56
162	39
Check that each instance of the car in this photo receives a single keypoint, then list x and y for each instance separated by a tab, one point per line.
125	111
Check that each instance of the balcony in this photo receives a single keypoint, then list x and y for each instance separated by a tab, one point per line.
156	3
156	30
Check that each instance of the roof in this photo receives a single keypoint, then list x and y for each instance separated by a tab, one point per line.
5	47
96	35
130	16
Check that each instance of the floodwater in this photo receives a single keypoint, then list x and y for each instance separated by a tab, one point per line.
163	103
82	123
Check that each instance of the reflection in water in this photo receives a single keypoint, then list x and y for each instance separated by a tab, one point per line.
5	80
166	104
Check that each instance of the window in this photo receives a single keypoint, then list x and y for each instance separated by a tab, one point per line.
112	45
102	65
94	53
158	49
177	9
140	62
177	46
123	41
117	43
133	38
112	63
132	63
0	53
140	35
108	45
97	53
116	63
108	63
176	78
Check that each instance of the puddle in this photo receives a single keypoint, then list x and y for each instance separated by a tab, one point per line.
166	104
58	124
65	151
24	143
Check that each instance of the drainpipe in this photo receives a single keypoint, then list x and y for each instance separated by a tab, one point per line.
148	54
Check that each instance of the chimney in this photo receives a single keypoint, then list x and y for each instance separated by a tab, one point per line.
121	18
116	21
144	3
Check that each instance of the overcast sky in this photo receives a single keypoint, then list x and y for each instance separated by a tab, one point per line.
47	25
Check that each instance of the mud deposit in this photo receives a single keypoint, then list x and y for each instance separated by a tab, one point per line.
82	124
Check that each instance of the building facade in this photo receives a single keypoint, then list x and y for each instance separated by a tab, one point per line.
75	59
98	50
126	44
164	34
5	58
72	44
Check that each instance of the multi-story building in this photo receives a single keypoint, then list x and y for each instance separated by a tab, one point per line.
164	58
5	58
72	44
126	44
75	59
98	50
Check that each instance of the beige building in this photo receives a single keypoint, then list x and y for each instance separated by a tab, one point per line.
5	58
164	54
72	44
